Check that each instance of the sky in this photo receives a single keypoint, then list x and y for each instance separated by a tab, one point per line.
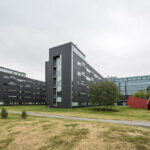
113	34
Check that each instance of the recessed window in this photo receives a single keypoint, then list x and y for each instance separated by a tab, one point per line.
6	77
88	70
75	104
79	64
79	73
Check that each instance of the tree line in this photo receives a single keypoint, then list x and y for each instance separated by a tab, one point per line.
142	94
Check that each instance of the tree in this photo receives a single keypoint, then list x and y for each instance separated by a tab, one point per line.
4	113
148	94
94	94
24	114
140	94
109	93
105	93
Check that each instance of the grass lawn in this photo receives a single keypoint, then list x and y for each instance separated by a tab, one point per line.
37	133
125	113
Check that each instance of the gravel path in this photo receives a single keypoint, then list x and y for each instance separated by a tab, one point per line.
134	123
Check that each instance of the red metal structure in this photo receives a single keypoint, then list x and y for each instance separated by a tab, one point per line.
148	105
136	102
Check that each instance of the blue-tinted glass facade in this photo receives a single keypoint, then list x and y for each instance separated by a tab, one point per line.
130	85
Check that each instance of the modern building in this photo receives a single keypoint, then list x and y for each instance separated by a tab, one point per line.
130	85
17	89
68	77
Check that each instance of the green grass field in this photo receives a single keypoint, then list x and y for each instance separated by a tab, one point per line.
124	113
37	133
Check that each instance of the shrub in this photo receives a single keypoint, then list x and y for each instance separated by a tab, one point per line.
4	113
24	114
148	94
140	94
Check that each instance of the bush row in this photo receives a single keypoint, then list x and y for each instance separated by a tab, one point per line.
4	114
142	94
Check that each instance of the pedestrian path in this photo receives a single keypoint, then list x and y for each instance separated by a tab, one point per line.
134	123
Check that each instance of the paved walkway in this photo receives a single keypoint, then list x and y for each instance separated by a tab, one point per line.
134	123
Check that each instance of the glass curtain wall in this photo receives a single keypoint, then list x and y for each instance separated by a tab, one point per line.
58	80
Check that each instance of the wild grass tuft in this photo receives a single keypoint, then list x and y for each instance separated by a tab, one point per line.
68	139
4	143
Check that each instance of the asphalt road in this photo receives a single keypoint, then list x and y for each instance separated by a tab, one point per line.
133	123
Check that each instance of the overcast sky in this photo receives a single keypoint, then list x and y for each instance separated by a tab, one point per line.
114	34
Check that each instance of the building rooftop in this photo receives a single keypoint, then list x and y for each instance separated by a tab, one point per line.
13	72
72	45
78	49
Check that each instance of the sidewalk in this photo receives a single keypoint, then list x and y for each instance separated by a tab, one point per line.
134	123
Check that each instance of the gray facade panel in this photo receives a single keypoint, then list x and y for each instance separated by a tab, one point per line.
65	52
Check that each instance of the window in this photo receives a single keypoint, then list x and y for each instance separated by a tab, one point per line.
83	63
144	78
12	77
83	103
59	94
78	73
83	93
81	83
133	78
12	83
28	86
27	97
88	70
95	75
129	79
59	99
27	92
11	90
75	104
99	78
139	78
1	103
20	80
79	64
5	84
12	96
92	79
89	79
6	77
83	73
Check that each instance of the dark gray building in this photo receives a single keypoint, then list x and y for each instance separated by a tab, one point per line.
68	77
17	89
